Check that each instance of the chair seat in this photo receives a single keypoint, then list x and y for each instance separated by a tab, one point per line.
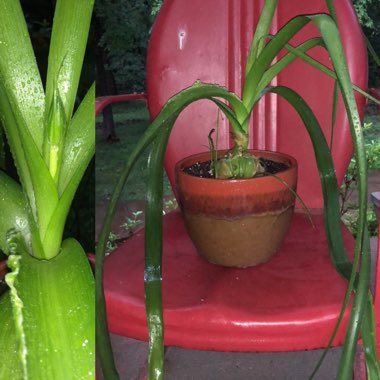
289	303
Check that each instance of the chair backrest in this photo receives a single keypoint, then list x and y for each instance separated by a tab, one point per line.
208	40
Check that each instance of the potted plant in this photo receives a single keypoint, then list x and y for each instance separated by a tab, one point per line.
240	222
47	315
259	72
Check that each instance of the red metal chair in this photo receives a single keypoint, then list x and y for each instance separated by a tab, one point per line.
293	301
104	101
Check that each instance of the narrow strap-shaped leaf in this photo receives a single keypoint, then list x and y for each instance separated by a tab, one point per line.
332	222
372	51
369	340
312	62
334	111
56	225
79	143
231	116
327	175
358	311
332	11
44	187
79	149
195	92
14	214
18	70
34	174
330	194
269	52
68	44
14	141
300	200
330	35
331	38
276	68
262	30
153	254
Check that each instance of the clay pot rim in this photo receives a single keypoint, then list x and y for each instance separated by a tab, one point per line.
180	165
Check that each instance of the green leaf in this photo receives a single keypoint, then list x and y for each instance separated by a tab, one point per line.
79	144
18	70
276	68
263	61
79	149
312	62
330	35
51	326
372	51
8	338
34	174
332	226
67	47
44	188
262	30
161	125
231	116
68	44
153	254
11	130
2	149
14	214
334	111
327	175
369	341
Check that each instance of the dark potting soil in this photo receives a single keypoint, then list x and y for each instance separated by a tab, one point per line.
203	169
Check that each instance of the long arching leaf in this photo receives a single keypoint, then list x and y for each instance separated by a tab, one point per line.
319	66
332	223
161	125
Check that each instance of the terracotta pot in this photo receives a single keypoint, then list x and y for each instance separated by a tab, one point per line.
237	223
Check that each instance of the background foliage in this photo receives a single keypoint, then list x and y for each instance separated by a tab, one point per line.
126	26
368	12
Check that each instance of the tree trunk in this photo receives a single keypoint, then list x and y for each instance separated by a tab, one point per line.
105	83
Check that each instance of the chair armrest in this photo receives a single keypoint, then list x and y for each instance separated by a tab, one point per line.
104	101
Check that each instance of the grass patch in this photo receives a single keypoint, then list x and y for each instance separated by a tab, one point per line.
131	121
